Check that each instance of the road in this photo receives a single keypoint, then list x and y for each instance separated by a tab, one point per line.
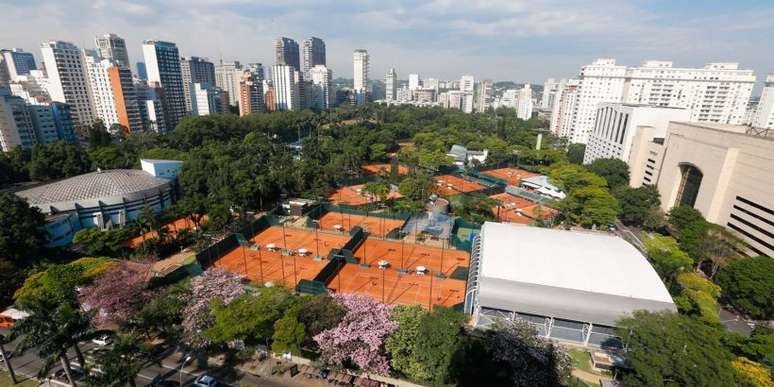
29	364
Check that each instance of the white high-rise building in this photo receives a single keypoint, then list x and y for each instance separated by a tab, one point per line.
484	95
313	54
391	85
322	90
195	70
764	114
414	82
524	110
285	86
431	83
467	84
467	102
564	108
103	102
718	92
509	99
617	124
205	99
113	47
17	63
162	62
360	63
549	85
227	77
67	80
455	99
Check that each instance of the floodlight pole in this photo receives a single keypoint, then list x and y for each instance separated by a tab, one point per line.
383	270
402	245
244	259
260	261
317	235
430	301
295	276
443	248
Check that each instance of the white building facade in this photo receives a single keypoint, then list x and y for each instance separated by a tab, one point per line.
286	93
67	80
764	113
322	90
360	63
524	110
391	85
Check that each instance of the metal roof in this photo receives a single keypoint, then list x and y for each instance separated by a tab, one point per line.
109	187
569	274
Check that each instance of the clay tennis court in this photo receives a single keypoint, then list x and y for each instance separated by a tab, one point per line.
384	169
275	267
394	287
354	195
172	227
414	255
448	185
374	225
515	209
511	175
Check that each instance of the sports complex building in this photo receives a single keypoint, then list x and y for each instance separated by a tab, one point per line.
572	286
103	199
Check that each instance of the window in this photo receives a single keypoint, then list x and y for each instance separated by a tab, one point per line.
689	185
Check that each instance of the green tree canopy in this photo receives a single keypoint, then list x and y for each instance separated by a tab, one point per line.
614	171
678	218
108	243
21	229
249	317
749	285
589	206
575	153
57	160
666	256
640	206
441	333
667	349
403	344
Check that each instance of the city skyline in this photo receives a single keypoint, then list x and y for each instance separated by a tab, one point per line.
532	42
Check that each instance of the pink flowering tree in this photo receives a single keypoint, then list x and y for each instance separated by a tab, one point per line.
214	283
360	335
117	294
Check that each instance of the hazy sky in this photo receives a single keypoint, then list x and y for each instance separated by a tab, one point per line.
523	41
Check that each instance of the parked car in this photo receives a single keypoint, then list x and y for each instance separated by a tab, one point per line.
103	340
160	381
205	381
60	374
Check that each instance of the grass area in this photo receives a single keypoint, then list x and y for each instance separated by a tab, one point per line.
5	380
581	360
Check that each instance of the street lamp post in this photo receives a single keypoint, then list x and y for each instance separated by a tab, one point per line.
430	301
317	235
260	261
244	259
186	360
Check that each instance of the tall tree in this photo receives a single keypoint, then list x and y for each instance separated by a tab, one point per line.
21	229
441	333
120	364
57	160
749	286
640	206
575	153
614	171
665	255
666	349
403	344
119	293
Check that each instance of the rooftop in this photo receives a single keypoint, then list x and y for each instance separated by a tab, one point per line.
582	261
94	185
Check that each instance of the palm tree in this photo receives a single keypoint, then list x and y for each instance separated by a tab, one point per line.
52	328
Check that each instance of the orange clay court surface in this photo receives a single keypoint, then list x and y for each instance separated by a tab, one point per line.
414	255
398	288
353	195
375	226
448	185
271	261
511	175
384	169
509	204
173	227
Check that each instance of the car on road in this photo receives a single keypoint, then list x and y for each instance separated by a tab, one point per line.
60	374
102	340
205	381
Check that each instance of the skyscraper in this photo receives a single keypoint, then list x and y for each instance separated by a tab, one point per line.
195	70
227	77
524	110
286	93
484	95
111	46
205	99
142	71
67	80
314	54
467	84
257	70
360	62
391	85
717	92
16	126
162	61
17	62
414	82
251	94
100	89
764	114
286	52
322	91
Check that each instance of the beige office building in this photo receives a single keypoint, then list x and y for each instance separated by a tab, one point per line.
721	170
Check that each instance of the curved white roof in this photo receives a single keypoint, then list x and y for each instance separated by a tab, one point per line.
569	274
109	187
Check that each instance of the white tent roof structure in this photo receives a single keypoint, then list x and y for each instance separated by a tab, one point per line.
575	275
